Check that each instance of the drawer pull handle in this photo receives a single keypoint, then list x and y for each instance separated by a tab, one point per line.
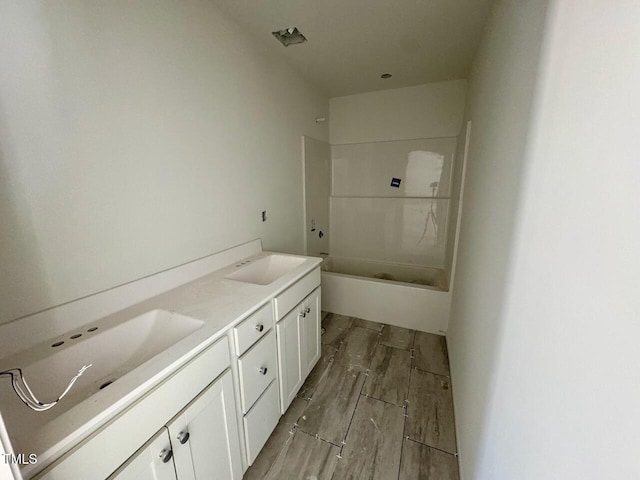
263	370
183	437
260	327
166	455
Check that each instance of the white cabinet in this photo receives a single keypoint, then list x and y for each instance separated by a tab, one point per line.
152	462
289	333
113	444
205	436
217	428
201	442
298	346
311	332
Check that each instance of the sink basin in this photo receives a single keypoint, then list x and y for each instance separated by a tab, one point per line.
266	270
112	352
115	348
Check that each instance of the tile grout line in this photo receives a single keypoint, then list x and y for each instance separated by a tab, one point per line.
396	348
353	414
322	378
432	447
406	407
294	427
432	373
381	400
317	437
453	409
448	377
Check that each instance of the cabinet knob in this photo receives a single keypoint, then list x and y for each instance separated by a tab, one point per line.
166	455
183	437
260	327
263	370
303	314
307	310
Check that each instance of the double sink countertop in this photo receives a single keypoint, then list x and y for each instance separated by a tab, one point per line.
219	303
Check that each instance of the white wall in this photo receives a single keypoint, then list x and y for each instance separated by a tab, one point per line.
499	103
545	363
424	111
136	136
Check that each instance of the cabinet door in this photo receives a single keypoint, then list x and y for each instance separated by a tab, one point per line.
289	336
206	444
311	331
152	462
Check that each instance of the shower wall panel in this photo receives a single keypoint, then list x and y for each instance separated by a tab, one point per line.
398	230
390	200
366	169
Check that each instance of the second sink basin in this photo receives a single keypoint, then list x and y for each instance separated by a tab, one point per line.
266	270
112	351
116	347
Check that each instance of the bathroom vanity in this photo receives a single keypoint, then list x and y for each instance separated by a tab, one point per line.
186	383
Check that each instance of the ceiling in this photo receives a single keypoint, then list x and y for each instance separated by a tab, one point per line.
352	42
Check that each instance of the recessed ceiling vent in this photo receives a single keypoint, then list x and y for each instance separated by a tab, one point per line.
289	36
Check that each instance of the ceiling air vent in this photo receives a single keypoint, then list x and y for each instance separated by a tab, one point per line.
289	36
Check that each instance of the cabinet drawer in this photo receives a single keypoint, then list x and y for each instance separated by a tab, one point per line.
292	295
257	370
261	421
252	329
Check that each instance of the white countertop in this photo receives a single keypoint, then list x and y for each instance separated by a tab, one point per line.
219	302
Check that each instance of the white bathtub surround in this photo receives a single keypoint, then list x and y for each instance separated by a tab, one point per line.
456	203
316	164
365	169
374	220
401	230
393	164
207	296
402	295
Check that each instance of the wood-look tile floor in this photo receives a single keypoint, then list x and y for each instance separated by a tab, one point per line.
377	405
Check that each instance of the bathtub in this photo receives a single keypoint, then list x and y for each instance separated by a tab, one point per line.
403	295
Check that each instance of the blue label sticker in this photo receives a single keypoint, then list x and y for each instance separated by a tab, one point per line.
395	182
